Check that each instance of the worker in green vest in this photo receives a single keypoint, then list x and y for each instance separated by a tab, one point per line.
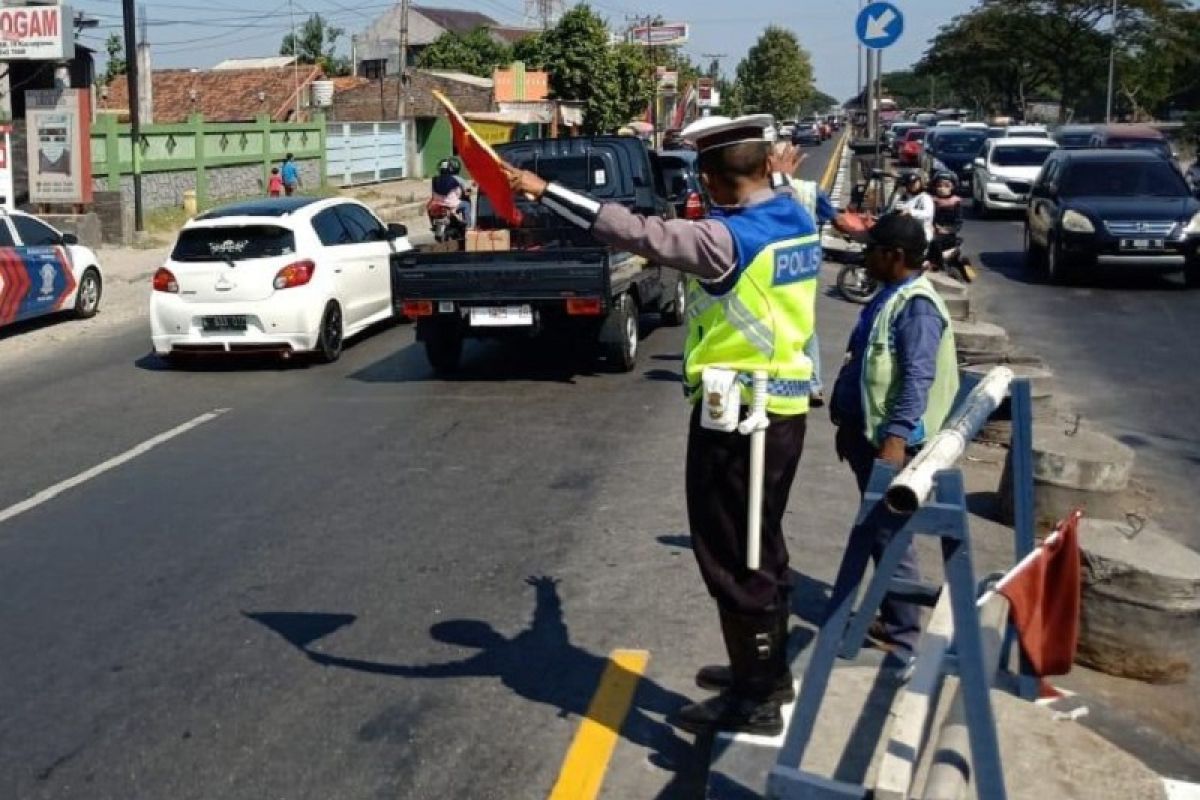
751	299
896	387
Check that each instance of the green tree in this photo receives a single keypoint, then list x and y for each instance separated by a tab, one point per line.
116	58
634	85
475	53
316	43
583	67
775	77
531	50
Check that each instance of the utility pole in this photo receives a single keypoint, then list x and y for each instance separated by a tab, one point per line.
135	123
402	100
1112	65
859	60
870	97
295	64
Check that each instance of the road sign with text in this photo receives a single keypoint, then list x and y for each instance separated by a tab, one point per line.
879	25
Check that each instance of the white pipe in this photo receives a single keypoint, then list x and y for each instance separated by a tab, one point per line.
756	425
909	490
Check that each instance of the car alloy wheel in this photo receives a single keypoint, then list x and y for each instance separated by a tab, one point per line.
329	344
87	299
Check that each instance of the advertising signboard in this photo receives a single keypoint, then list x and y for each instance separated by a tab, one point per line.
670	33
37	33
60	159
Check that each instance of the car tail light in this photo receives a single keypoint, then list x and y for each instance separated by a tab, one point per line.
164	281
296	274
417	308
584	306
693	208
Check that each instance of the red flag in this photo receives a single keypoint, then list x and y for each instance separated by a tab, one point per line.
482	162
1043	594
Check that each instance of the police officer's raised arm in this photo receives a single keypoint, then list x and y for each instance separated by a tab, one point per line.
703	248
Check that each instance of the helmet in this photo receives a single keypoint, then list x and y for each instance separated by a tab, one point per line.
912	178
449	166
943	183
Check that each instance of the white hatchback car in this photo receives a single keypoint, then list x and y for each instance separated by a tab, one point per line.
285	275
1005	170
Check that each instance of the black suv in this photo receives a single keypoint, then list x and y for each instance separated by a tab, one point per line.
1111	207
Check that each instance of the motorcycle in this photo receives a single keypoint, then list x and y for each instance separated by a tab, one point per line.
446	223
948	245
855	284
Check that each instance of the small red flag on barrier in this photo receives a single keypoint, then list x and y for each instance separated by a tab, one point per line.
1043	592
482	162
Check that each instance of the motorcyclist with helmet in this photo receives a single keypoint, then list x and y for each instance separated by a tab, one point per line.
916	202
947	217
451	193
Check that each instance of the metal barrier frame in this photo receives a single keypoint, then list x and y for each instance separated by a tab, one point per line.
844	628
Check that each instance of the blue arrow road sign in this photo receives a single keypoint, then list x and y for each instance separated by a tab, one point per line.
879	25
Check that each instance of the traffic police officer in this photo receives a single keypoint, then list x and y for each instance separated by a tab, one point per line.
752	296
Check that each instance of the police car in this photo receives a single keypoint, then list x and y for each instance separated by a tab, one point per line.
43	271
282	275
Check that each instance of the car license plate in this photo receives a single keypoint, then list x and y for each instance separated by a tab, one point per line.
1142	244
501	316
228	322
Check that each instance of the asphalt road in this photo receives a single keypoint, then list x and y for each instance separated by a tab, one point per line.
356	580
1123	346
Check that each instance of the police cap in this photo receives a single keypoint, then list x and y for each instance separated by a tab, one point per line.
709	133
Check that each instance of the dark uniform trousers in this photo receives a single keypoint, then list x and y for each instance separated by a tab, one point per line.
718	477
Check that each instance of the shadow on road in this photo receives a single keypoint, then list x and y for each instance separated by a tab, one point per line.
1011	265
540	664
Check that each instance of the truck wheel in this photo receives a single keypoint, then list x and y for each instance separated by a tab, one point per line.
619	335
443	347
676	311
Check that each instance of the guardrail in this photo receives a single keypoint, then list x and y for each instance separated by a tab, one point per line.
928	498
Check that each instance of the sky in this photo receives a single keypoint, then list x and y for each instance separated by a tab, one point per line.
199	33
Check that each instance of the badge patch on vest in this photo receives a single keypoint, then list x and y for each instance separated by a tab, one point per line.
800	262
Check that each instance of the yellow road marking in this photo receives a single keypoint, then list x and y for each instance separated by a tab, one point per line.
587	760
831	169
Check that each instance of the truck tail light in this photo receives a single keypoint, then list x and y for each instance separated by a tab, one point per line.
164	281
694	207
584	306
296	274
417	308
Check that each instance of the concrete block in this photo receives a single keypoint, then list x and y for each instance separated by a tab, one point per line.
974	338
1041	379
946	286
1081	468
959	307
1141	602
88	227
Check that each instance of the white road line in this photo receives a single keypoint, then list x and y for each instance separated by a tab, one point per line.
1178	790
112	463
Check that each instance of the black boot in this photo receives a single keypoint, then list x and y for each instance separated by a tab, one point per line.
755	652
718	677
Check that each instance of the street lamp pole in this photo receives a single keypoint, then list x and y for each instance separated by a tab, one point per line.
1112	64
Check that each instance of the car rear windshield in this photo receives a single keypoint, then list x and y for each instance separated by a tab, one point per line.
959	145
233	243
1153	145
1031	156
581	173
675	173
1075	140
914	135
1109	179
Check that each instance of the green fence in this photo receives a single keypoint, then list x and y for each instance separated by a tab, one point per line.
197	146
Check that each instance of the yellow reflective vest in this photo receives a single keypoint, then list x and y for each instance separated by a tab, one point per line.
761	316
879	386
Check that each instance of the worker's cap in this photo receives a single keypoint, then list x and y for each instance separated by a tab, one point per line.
913	177
708	133
897	230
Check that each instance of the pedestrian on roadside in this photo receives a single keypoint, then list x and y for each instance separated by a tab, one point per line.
754	265
291	175
275	183
896	388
